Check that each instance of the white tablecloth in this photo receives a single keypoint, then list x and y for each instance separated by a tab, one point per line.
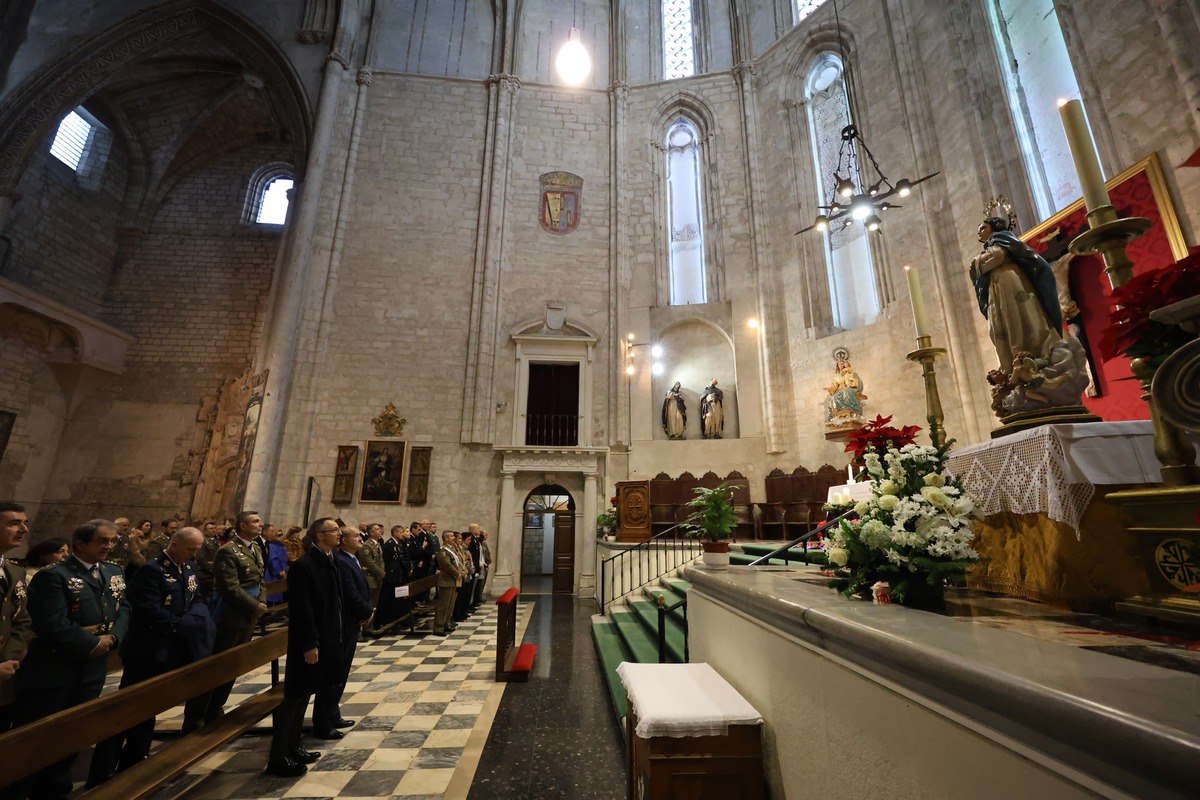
1054	469
683	700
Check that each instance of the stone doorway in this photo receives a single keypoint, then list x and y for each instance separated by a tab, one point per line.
548	541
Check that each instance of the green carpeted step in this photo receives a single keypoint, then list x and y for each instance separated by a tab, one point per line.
647	613
635	636
669	599
797	557
612	652
679	586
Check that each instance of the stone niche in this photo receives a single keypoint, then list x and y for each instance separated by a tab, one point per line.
694	351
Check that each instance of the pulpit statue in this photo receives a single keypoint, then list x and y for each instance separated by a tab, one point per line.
712	411
844	404
1039	370
674	413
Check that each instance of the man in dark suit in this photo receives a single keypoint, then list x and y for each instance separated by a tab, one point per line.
356	612
314	653
79	612
239	600
169	628
15	627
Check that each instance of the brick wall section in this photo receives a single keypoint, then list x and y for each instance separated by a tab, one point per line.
63	235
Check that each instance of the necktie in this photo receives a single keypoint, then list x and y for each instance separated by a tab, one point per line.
96	572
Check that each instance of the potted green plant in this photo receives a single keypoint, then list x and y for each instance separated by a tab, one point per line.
712	520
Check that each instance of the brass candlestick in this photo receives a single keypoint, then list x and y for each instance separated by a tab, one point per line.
1108	237
926	354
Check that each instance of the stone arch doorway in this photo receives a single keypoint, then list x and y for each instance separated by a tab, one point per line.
548	541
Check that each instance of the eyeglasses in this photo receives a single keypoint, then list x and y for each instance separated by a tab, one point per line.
104	540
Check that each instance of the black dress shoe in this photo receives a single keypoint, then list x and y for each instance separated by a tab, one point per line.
288	768
303	756
331	734
342	722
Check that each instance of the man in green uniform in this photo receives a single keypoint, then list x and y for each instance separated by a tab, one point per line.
239	600
206	558
371	558
15	630
79	612
122	551
449	576
161	539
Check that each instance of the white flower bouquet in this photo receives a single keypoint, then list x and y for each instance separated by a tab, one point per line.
914	532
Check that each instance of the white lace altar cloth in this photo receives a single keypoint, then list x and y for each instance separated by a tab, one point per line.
1055	469
681	700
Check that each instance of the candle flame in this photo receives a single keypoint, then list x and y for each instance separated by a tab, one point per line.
1062	101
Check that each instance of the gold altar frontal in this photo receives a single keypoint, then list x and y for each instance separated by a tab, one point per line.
1037	558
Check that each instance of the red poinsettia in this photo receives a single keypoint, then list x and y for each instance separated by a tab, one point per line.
876	436
1131	332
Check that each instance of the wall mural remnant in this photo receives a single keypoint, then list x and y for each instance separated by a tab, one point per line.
844	403
227	425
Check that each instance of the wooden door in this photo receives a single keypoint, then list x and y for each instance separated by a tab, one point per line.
564	551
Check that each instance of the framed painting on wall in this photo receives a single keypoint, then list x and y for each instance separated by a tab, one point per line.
343	474
1140	191
382	471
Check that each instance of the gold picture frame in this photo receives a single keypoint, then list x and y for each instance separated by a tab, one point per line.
383	471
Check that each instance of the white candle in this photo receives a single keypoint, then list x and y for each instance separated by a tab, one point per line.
1083	152
849	473
920	318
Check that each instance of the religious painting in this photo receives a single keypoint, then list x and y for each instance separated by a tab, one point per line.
382	472
1140	191
246	450
417	492
561	202
343	475
7	420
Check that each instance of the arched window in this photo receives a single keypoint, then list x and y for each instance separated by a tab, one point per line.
852	291
83	144
803	8
1037	73
679	39
267	194
685	220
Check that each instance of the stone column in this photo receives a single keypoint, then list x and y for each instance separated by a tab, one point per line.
619	278
1179	31
508	536
585	540
478	414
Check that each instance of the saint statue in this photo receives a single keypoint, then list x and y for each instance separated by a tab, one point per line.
712	411
1018	295
843	407
674	413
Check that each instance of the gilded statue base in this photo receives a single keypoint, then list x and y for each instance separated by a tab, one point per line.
1167	531
1056	415
845	430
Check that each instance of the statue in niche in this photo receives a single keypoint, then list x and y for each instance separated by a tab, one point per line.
674	413
844	404
1017	293
712	411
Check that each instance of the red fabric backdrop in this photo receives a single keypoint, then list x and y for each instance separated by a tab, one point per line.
1138	192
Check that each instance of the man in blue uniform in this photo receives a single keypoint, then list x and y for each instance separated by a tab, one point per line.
169	628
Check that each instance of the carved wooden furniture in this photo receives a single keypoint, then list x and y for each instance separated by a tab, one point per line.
648	508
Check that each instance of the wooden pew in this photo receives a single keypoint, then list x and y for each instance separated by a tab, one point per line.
31	747
513	662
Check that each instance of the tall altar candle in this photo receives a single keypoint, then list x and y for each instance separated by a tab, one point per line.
918	301
1083	152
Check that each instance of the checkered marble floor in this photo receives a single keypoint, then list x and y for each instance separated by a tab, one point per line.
416	701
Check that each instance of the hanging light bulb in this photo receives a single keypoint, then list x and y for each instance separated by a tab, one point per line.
573	62
822	222
873	222
845	187
861	208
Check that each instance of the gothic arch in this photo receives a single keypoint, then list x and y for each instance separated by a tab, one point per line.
30	111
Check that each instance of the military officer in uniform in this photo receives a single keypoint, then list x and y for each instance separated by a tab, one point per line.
449	577
160	540
169	627
205	559
15	630
122	551
371	558
239	600
79	612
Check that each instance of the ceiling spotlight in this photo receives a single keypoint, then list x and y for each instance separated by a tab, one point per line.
845	187
861	208
656	351
573	62
874	190
873	222
822	222
903	187
657	368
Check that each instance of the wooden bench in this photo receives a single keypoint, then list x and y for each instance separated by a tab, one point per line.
32	747
513	662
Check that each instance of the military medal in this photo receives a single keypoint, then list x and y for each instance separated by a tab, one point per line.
20	593
116	587
75	586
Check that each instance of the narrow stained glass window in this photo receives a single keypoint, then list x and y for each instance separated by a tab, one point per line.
679	51
684	214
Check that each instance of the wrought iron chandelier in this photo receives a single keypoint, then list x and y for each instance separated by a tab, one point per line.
863	202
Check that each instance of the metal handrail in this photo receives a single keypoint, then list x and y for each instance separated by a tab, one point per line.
609	571
663	610
783	550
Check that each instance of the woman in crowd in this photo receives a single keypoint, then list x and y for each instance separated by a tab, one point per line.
293	542
45	554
